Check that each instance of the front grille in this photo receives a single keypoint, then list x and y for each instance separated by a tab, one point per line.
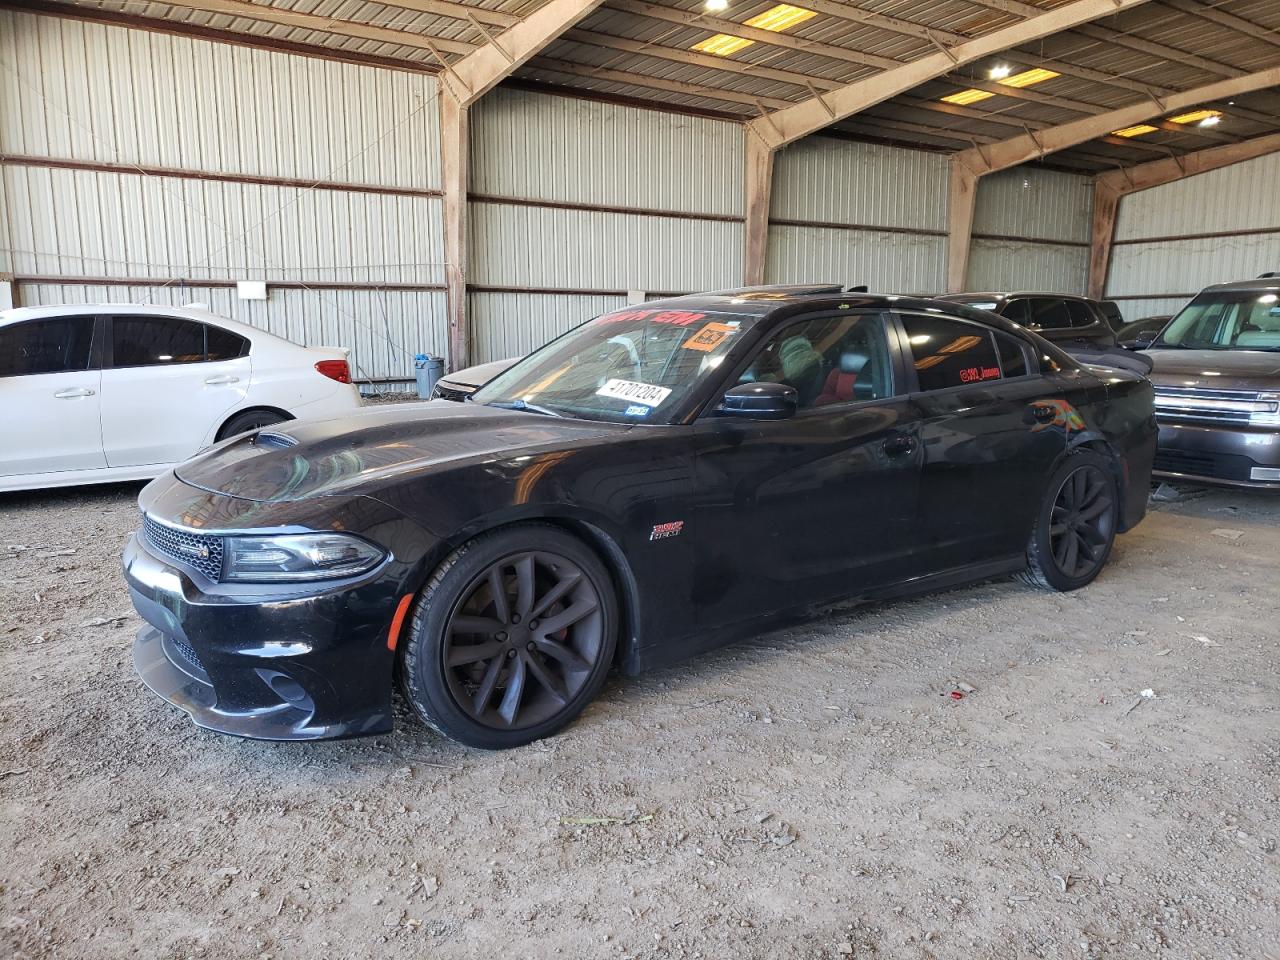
197	550
188	653
1220	466
1217	406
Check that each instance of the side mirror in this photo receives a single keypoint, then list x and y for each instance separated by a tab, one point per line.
760	401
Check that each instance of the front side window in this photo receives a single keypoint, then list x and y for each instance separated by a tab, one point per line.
1016	310
156	341
56	345
1226	319
949	353
1049	313
829	360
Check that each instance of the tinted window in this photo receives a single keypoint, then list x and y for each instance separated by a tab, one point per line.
1016	310
948	353
225	345
45	346
156	341
829	360
1013	358
1081	315
1049	313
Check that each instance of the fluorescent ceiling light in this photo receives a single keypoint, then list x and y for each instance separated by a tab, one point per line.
782	17
1196	116
722	45
715	6
1023	79
1000	71
966	97
1135	131
775	20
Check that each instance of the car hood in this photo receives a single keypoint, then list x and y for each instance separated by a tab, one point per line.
350	455
1215	369
481	374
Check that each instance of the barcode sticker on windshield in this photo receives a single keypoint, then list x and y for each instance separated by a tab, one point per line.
645	393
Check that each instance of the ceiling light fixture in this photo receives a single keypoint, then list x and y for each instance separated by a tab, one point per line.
1209	122
1196	116
775	20
1019	80
715	6
999	71
1134	131
1027	77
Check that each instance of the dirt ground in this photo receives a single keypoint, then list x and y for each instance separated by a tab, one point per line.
813	793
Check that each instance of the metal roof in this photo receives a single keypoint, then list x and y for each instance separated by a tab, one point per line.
640	50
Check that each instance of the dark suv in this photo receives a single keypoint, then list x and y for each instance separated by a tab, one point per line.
1216	370
1069	321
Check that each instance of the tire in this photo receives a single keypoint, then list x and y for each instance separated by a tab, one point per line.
248	420
480	667
1076	524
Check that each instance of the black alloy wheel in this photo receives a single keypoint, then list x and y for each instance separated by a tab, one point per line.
512	637
1076	527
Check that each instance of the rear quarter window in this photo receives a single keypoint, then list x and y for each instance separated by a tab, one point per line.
950	353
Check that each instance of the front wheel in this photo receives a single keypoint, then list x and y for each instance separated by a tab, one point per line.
1076	525
512	637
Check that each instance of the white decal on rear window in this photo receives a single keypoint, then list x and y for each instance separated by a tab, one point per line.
645	393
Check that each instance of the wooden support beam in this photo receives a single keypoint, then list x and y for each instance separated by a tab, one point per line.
791	123
962	196
1111	186
759	188
454	117
1010	153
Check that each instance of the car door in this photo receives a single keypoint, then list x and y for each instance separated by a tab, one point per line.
166	385
817	506
50	396
988	435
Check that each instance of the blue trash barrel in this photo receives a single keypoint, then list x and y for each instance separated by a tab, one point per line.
427	370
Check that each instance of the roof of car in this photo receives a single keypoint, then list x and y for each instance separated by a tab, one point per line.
1005	295
1257	283
191	312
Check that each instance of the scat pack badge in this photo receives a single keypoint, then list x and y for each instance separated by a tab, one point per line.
664	531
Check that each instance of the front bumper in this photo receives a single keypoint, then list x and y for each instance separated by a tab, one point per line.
267	666
1234	456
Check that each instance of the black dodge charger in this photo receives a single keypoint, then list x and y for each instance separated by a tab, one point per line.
654	483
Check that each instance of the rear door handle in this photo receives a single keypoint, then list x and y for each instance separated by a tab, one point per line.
899	445
226	378
73	392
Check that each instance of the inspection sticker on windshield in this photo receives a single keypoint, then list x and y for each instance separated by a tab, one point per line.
709	337
637	410
645	393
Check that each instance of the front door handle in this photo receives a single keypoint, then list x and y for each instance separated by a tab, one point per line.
225	378
1043	414
72	393
900	445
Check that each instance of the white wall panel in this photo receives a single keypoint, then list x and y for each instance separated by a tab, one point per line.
542	147
1244	196
513	324
1009	265
886	262
1031	202
839	181
88	223
383	329
101	93
1185	266
589	250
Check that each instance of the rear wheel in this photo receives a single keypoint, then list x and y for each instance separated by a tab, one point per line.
1076	526
511	638
250	420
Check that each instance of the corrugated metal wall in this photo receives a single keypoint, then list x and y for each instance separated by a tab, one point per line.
835	192
88	93
554	261
1174	239
1026	205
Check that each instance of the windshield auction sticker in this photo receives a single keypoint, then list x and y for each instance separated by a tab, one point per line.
709	337
645	393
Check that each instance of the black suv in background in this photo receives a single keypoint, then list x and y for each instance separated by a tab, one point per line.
1070	322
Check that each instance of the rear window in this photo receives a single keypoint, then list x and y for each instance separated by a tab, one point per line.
949	353
1049	313
1081	315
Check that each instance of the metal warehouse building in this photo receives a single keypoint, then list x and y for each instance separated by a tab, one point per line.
164	153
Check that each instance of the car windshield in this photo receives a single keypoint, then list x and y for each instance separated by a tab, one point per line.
634	365
1226	320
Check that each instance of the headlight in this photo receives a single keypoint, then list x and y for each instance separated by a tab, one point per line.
290	558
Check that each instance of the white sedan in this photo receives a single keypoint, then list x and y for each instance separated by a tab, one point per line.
101	393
